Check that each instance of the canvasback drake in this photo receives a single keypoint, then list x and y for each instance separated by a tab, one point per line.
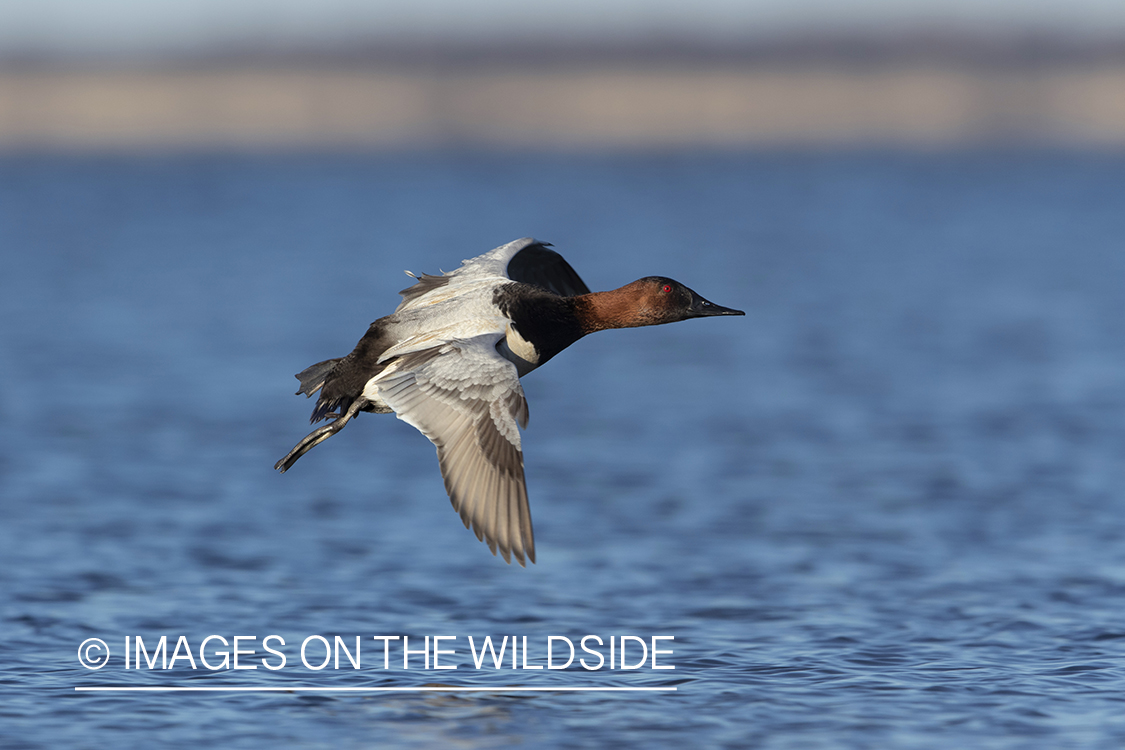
449	359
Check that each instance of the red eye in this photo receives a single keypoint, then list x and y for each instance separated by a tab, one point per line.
667	288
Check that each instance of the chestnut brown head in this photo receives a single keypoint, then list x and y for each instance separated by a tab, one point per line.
663	300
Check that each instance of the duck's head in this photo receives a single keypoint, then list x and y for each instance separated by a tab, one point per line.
672	301
652	301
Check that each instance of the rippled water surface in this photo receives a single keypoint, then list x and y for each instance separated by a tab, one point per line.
884	509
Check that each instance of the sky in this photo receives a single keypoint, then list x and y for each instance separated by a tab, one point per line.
154	25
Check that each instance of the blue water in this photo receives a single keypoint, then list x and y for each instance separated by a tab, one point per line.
885	509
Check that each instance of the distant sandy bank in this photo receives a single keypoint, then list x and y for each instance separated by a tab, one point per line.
606	106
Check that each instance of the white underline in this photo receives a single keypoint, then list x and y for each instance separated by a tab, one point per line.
299	688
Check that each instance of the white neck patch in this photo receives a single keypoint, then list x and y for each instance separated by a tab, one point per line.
518	350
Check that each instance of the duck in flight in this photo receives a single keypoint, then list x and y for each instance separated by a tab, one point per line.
449	359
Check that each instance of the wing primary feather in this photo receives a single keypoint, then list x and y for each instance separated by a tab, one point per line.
514	518
492	488
526	532
471	499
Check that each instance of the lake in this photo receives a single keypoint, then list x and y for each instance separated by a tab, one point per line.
884	509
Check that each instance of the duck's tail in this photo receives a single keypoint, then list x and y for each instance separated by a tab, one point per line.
318	435
312	377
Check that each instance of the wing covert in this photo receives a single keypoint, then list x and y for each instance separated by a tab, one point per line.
526	260
545	268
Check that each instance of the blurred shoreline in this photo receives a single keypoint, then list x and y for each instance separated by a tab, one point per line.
932	95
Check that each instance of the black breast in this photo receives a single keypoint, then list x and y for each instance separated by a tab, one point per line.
544	319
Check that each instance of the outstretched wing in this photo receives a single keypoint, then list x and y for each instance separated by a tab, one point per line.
467	399
526	260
